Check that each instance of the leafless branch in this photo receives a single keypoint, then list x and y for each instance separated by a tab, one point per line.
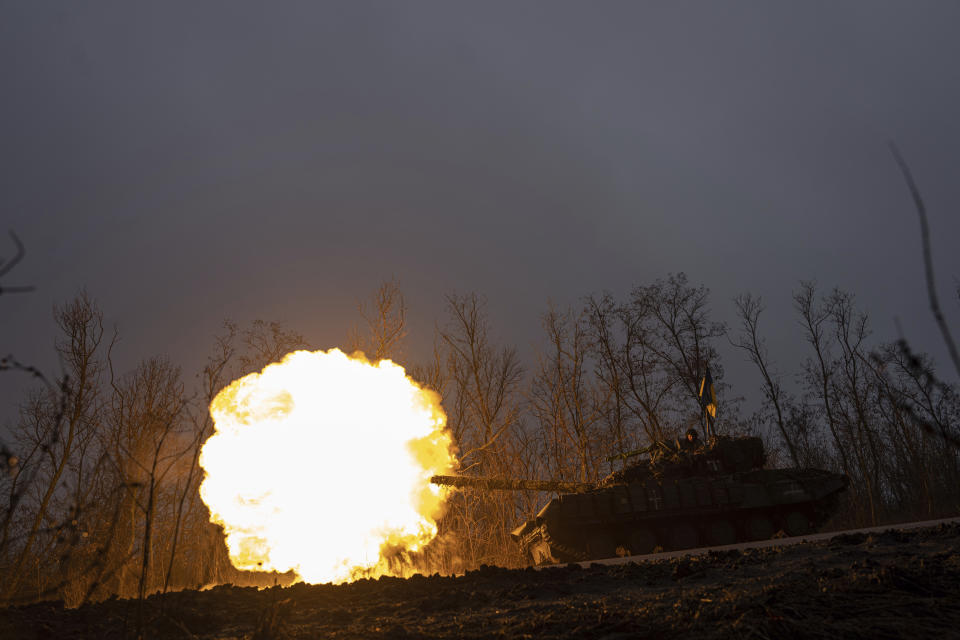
6	267
927	256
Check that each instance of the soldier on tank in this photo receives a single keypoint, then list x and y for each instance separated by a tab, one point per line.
690	442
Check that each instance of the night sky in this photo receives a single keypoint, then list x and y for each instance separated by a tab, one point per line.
189	162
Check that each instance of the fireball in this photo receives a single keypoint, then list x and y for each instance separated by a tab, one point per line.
321	463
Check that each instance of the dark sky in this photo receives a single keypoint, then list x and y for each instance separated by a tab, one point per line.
194	161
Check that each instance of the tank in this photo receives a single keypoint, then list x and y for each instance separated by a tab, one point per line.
717	495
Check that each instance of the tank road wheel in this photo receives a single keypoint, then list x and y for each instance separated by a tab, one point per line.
721	532
642	541
796	523
684	536
600	544
759	527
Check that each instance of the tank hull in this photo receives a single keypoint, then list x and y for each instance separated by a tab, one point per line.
641	517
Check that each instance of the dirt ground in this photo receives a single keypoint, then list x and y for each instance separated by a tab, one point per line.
896	584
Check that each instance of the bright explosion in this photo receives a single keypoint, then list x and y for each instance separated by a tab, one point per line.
321	464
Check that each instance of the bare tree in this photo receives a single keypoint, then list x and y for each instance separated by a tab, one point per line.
651	353
819	370
749	310
853	387
81	324
482	399
264	343
146	410
187	496
566	401
14	481
628	370
386	323
880	409
602	320
485	380
677	315
432	374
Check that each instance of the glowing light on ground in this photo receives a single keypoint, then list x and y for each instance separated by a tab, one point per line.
321	462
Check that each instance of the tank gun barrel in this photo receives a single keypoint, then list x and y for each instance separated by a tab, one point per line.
508	484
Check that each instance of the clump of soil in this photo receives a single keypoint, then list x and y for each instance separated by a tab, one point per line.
886	585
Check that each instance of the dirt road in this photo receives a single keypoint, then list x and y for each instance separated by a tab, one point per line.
776	542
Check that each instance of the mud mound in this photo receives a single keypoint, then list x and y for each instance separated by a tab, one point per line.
887	585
